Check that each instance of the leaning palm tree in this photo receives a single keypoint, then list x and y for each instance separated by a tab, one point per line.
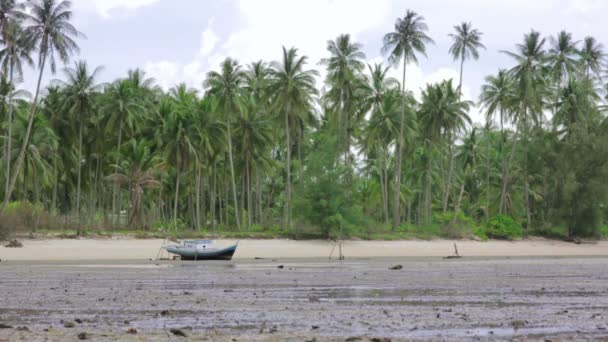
408	39
50	31
15	52
592	56
294	89
226	86
466	45
80	89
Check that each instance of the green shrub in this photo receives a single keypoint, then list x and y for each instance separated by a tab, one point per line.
454	225
480	232
503	227
25	217
604	232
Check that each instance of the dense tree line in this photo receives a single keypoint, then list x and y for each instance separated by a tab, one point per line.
263	146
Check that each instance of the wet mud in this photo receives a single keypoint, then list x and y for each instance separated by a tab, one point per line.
306	300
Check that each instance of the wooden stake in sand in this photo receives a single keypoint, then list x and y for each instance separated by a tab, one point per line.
456	255
339	243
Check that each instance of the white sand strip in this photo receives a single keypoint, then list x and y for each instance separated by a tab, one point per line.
124	249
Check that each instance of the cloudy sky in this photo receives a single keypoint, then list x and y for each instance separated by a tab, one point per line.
181	40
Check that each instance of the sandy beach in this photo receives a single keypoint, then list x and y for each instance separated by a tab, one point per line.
134	249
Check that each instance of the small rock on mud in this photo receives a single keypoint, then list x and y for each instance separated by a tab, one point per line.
178	332
132	331
83	336
396	267
14	244
69	324
5	326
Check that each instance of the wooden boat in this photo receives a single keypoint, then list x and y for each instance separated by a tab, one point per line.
201	250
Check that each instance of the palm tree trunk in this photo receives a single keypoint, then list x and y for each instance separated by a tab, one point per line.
178	169
258	193
488	185
236	204
213	187
25	169
503	193
55	182
26	138
446	198
197	209
79	177
459	197
288	184
428	200
399	151
116	188
249	206
203	210
384	193
9	135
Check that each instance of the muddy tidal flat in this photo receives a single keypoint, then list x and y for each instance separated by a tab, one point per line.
429	298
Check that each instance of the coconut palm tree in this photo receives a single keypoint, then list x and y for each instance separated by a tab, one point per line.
498	97
226	87
179	144
408	39
80	89
531	89
253	130
381	133
592	56
466	45
577	104
344	78
379	83
208	134
293	88
14	53
10	11
137	170
562	57
50	31
122	108
40	152
441	113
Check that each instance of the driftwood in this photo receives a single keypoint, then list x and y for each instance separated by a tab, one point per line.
456	255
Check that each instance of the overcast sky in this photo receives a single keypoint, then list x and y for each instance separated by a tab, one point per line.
181	40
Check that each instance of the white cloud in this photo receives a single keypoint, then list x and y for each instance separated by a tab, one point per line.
586	6
107	8
166	73
266	25
208	39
